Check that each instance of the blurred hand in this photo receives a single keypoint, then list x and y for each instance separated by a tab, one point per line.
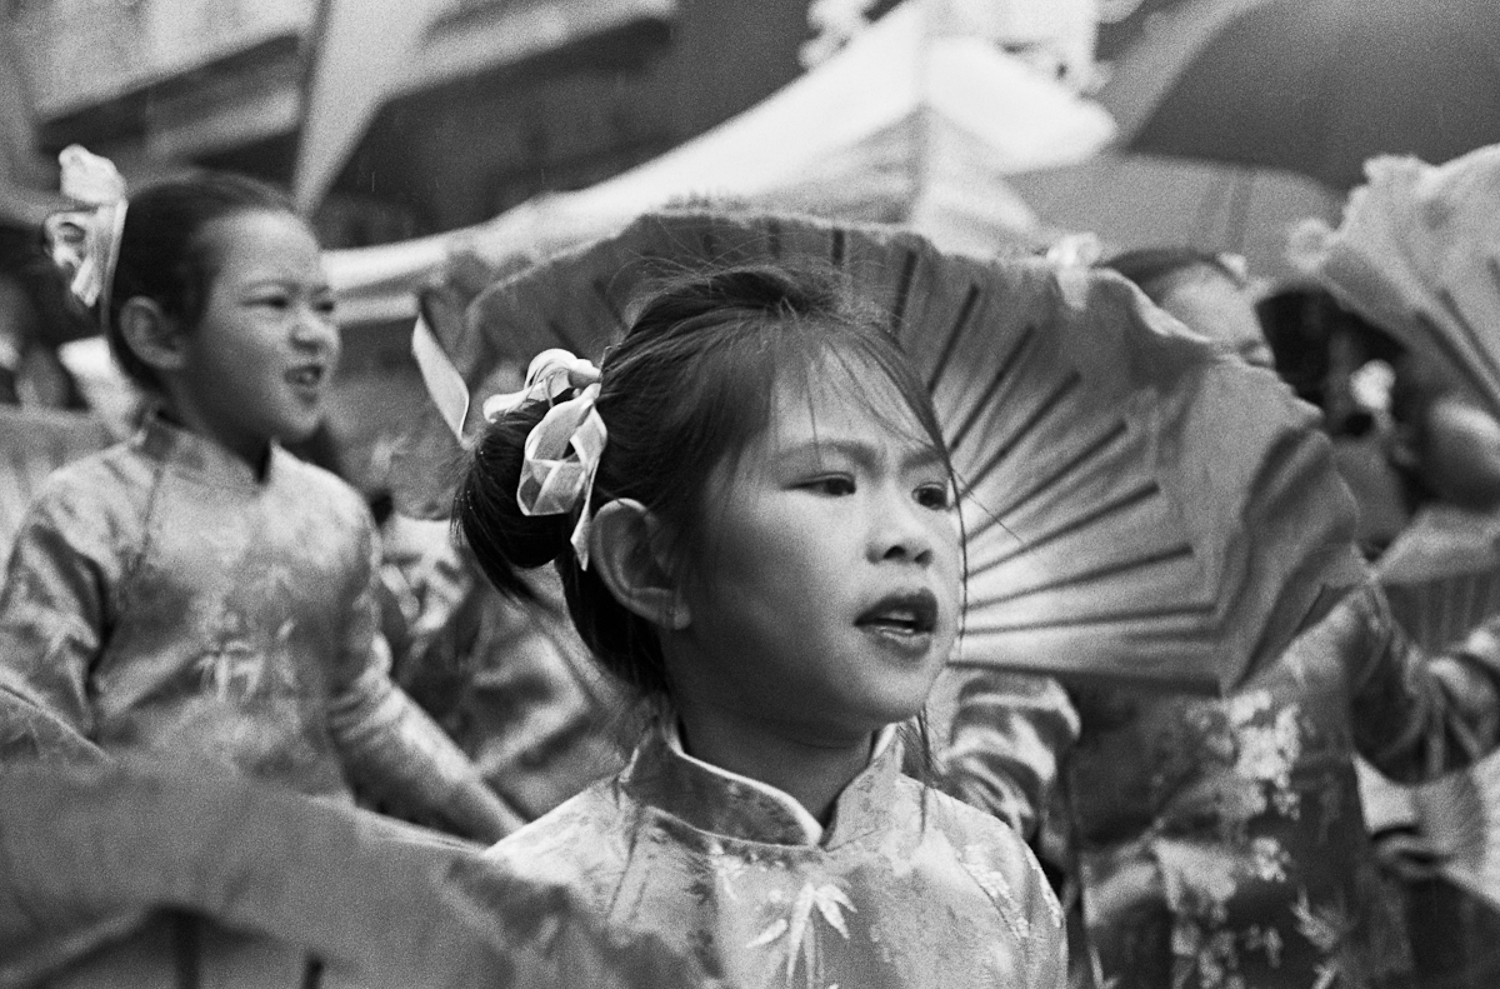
1409	854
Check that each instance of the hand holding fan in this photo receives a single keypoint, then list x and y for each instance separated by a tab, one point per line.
1459	818
1138	505
1442	575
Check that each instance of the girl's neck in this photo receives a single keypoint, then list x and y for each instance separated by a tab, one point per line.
255	456
811	771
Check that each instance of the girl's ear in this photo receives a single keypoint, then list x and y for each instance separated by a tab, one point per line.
152	335
625	550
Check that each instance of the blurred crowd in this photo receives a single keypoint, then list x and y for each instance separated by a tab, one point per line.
509	709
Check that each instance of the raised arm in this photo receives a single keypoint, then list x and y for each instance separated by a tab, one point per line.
392	747
1006	737
1415	716
54	610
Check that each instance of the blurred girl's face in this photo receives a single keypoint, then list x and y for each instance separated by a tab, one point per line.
259	362
831	593
1209	302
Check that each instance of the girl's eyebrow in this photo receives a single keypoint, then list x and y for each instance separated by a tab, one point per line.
287	281
863	454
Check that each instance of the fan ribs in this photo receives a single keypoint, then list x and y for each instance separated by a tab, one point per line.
903	293
978	407
1061	390
1192	611
1071	466
1136	496
951	343
1171	554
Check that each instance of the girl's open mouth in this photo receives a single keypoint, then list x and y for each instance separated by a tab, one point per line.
309	376
909	616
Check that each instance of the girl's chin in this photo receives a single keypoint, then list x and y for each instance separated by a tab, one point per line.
894	711
300	429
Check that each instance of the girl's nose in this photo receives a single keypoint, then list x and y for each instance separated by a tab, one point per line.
900	532
315	329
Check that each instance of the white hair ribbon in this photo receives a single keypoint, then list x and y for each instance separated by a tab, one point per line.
563	450
86	242
551	373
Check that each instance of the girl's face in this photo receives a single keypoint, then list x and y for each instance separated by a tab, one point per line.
1207	301
830	596
258	364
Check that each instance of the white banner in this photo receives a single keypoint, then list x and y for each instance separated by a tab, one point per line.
364	48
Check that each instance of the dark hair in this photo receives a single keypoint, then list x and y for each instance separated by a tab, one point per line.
24	257
1151	267
162	254
690	386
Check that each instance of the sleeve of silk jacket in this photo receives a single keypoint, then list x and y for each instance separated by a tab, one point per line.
390	745
1005	738
1415	716
55	603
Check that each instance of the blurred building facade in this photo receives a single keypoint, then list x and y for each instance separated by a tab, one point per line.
500	99
495	101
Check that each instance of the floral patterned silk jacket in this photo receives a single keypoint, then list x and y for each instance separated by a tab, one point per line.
1220	844
162	602
906	887
160	598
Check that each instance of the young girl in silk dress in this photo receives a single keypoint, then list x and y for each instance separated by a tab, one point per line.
751	507
198	595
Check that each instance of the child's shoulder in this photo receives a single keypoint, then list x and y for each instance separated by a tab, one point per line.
598	807
988	849
574	842
956	817
319	486
91	508
115	478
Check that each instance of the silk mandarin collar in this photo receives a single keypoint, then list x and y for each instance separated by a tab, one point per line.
187	453
708	798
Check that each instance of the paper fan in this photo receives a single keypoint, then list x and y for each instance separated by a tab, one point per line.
1442	576
86	852
1138	505
1459	815
1417	253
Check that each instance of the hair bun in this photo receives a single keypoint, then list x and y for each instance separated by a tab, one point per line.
487	513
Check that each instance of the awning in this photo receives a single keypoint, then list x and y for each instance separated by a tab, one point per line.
901	126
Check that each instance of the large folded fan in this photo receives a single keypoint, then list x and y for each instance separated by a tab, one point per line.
1442	575
1417	253
86	852
1456	815
1138	504
1460	815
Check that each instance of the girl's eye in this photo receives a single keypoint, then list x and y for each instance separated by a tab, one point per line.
935	496
277	302
836	486
325	307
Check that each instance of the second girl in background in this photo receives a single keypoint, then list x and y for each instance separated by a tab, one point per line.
198	595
